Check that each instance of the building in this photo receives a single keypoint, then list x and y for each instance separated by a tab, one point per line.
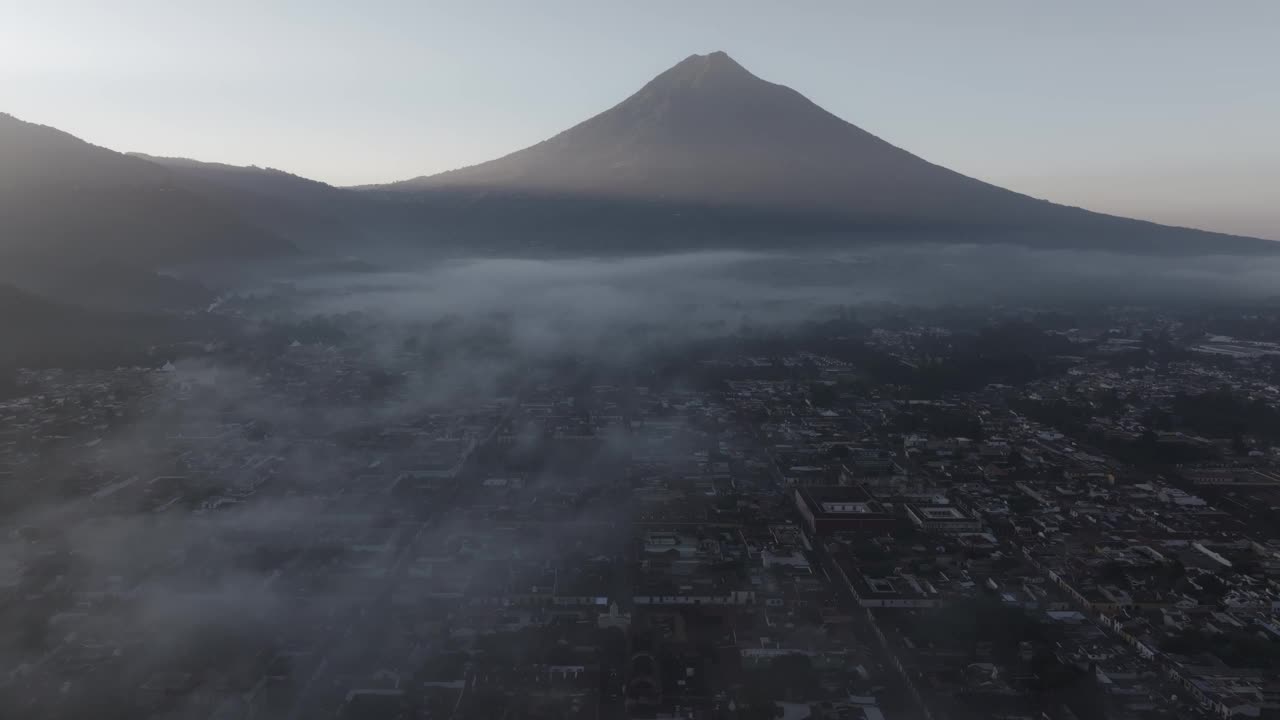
944	519
829	509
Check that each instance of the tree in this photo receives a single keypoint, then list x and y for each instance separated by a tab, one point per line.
756	703
793	675
822	395
8	382
1238	445
962	626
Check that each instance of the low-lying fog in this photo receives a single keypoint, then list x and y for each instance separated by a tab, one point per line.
607	307
733	286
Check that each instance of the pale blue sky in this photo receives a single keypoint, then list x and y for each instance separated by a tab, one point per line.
1162	109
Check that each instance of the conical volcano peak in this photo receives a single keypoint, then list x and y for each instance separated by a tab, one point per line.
710	69
706	138
718	60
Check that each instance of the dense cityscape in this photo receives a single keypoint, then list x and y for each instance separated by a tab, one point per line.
903	514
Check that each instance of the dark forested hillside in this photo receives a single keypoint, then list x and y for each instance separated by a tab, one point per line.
62	197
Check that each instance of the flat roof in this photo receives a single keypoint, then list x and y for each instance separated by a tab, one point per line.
841	501
940	513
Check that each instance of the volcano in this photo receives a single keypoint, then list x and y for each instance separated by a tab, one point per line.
708	147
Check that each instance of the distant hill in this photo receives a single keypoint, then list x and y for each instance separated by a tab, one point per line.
307	213
62	197
43	332
100	284
706	149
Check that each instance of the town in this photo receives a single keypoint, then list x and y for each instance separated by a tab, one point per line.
1023	516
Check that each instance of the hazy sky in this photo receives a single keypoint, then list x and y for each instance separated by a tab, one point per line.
1161	109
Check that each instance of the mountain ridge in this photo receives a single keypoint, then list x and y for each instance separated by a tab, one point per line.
705	154
309	214
60	195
